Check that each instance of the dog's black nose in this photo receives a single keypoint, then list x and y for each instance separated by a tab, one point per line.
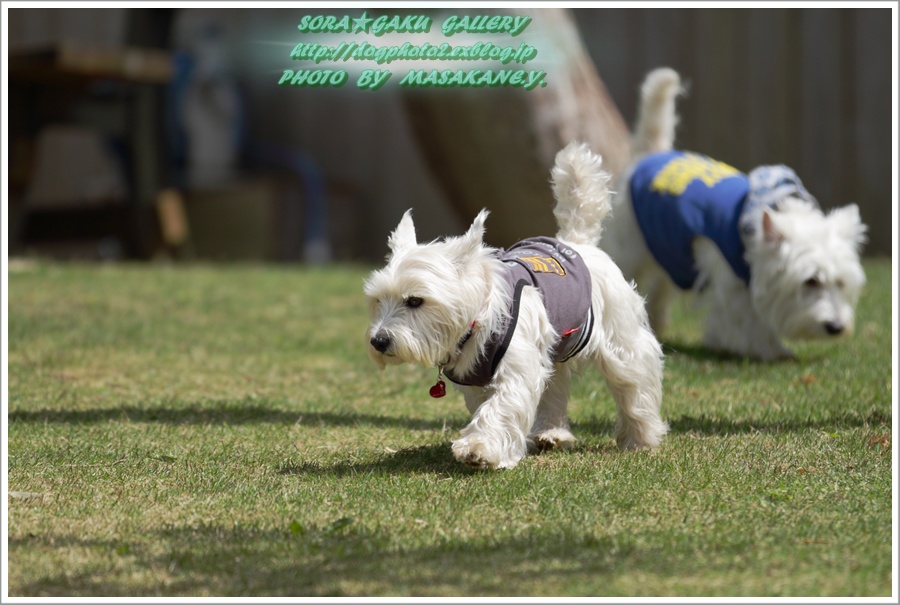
833	328
380	342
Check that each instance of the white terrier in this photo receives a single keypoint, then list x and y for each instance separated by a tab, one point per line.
757	248
507	327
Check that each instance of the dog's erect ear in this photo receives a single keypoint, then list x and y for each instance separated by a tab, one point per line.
849	225
404	236
463	247
474	237
772	234
475	234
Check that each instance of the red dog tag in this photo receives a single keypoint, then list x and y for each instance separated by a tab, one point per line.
438	390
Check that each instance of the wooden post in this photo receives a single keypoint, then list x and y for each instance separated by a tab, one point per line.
494	147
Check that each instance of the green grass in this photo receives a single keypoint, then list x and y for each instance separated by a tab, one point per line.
207	431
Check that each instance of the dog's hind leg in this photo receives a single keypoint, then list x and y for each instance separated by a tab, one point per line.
660	291
630	358
551	426
635	382
628	355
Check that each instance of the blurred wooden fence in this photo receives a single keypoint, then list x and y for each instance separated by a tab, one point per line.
810	88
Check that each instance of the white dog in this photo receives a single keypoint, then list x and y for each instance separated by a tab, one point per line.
764	258
507	327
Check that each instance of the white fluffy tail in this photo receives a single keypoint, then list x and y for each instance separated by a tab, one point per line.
657	119
581	189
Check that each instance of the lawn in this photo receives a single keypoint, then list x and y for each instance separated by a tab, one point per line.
220	431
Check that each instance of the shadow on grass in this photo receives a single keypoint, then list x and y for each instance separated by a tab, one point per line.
343	558
698	352
434	458
339	559
237	413
709	425
437	458
217	413
705	425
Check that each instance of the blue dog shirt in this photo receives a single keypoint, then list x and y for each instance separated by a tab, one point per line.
679	196
564	281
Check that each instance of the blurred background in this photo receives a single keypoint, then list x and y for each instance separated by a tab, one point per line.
162	133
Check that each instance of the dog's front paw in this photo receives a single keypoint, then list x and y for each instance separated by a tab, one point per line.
767	353
476	454
783	354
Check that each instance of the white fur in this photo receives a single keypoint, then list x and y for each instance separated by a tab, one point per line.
458	282
657	119
805	273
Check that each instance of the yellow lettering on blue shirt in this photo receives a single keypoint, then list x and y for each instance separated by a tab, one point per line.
680	172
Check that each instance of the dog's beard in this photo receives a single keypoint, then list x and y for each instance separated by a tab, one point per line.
424	336
805	317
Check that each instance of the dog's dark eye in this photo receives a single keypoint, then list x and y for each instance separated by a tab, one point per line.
413	302
812	282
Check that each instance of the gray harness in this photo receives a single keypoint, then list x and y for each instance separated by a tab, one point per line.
563	279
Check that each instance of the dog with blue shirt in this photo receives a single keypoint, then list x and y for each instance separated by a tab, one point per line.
766	261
